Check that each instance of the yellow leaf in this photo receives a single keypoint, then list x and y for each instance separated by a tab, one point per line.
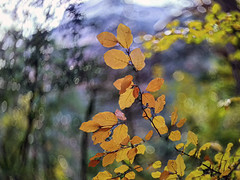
136	140
159	104
148	100
156	174
89	126
110	145
179	146
116	59
126	99
120	133
192	152
121	169
159	123
124	36
157	164
172	166
105	119
108	159
127	80
149	135
107	39
122	154
132	153
147	113
181	122
192	138
141	149
155	84
138	59
138	168
180	165
130	175
105	175
203	148
100	135
175	135
174	117
194	175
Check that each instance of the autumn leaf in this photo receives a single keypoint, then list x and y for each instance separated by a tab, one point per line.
180	165
132	153
155	84
159	123
120	115
136	140
122	154
108	159
203	148
98	155
149	135
125	141
159	104
110	145
172	166
93	163
156	174
148	100
130	175
124	36
174	117
141	149
101	135
107	39
126	82
181	122
157	164
164	175
121	169
89	126
179	146
147	113
126	99
138	59
192	138
138	168
136	92
118	83
116	59
175	135
192	152
105	119
120	133
105	175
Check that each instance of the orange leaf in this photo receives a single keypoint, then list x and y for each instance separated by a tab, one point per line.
132	153
107	39
116	59
174	117
155	84
138	59
105	119
120	133
120	115
181	122
175	135
159	122
105	175
118	83
149	135
138	168
110	145
136	140
124	36
125	83
136	92
93	163
148	99
98	155
164	175
159	104
147	113
108	159
126	99
101	135
125	141
89	126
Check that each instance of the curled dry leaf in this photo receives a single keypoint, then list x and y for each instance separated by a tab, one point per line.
107	39
120	115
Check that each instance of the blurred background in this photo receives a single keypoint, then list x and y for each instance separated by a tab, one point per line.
53	78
